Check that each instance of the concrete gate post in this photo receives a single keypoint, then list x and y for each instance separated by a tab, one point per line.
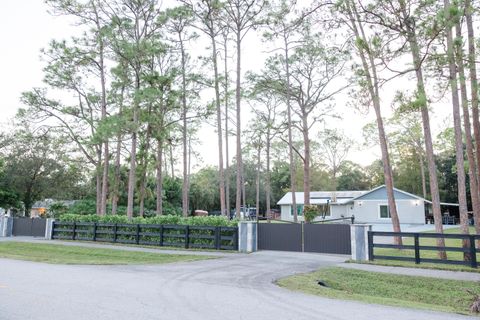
6	226
359	241
49	228
247	236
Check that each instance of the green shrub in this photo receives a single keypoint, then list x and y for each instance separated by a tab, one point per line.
215	221
170	235
310	213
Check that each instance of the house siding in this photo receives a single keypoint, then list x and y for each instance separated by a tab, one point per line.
409	211
337	211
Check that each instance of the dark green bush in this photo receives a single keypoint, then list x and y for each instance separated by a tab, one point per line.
172	236
310	212
216	221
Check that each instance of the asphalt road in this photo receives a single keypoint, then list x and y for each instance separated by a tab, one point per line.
234	287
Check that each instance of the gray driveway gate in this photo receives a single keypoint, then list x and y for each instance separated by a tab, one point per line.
280	236
320	238
29	227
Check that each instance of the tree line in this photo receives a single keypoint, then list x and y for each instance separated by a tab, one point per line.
129	93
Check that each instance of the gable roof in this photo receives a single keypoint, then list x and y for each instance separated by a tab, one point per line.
321	197
404	193
346	197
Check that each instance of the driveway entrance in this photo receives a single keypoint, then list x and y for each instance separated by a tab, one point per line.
299	237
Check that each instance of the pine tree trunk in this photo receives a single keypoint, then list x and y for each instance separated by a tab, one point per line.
306	161
172	166
131	174
291	155
432	168
101	65
457	124
268	176
369	67
422	173
98	170
103	202
159	188
219	128
472	166
474	92
184	134
227	169
116	178
238	199
144	166
257	182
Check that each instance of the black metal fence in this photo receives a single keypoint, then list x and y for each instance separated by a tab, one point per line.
417	248
206	237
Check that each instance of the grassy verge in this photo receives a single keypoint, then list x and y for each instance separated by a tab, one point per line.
430	254
146	246
61	254
380	288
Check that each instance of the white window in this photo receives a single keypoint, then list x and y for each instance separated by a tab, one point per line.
383	211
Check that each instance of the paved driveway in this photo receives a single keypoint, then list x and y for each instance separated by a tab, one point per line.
233	287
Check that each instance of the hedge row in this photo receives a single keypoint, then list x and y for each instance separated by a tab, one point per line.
215	221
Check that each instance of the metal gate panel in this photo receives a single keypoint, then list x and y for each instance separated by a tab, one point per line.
22	226
327	238
29	227
38	227
280	236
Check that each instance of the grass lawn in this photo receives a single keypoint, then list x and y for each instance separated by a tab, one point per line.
381	288
430	254
61	254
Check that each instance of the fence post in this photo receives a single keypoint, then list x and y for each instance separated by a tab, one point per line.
74	228
473	252
247	236
49	228
137	234
187	236
370	246
115	232
161	235
416	238
94	238
217	238
360	242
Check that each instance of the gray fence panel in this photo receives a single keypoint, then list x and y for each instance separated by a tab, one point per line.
22	226
38	227
276	236
29	227
327	238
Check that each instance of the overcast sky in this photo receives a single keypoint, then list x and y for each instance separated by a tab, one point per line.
27	27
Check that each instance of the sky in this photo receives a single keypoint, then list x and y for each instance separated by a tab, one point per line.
27	27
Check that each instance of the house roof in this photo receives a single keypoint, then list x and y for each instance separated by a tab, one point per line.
411	195
344	197
48	202
321	197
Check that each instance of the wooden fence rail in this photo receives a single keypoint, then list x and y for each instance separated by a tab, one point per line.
419	248
206	237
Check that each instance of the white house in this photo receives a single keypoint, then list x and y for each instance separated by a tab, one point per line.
367	206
